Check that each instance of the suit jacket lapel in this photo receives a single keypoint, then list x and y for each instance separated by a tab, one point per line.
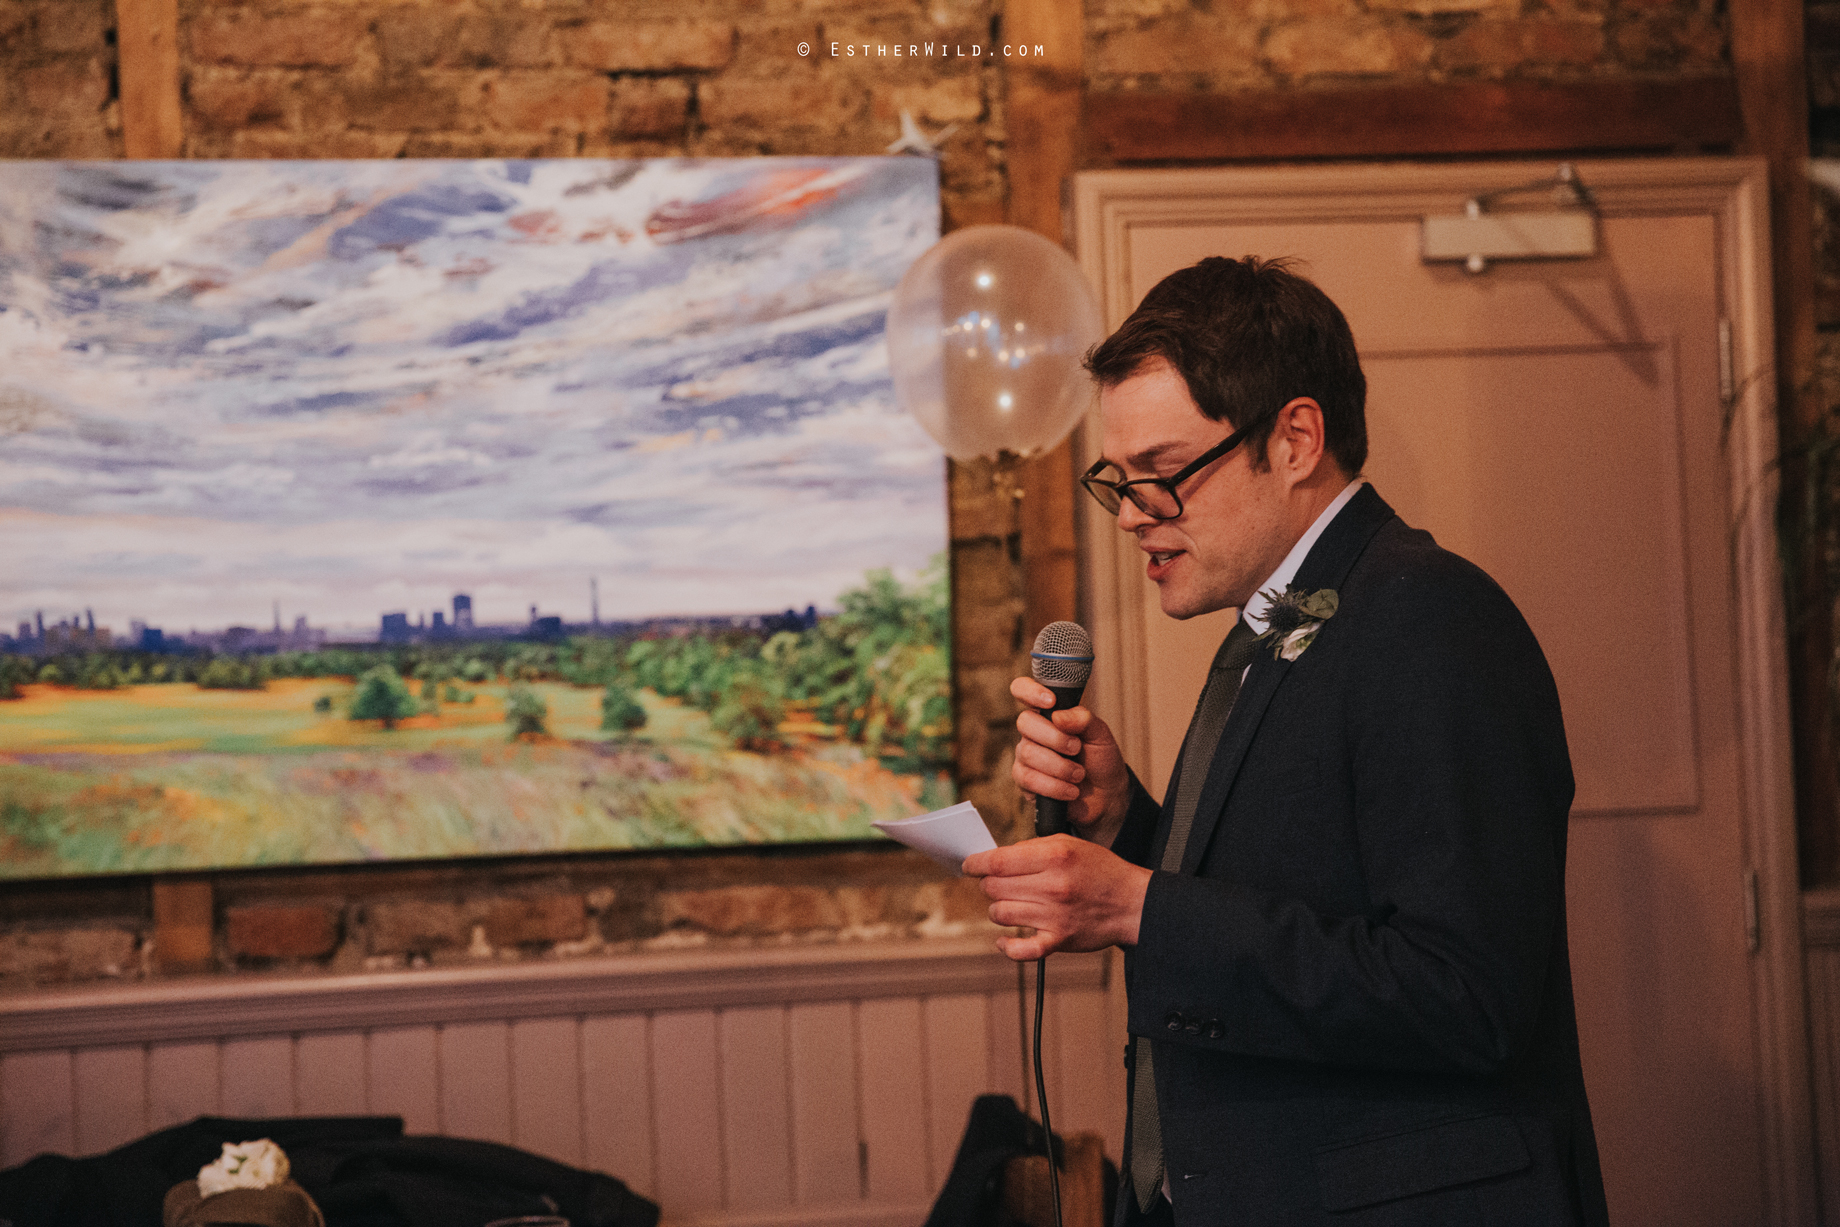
1325	566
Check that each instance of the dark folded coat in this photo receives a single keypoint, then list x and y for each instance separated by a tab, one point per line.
361	1170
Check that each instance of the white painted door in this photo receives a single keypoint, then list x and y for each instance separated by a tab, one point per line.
1561	424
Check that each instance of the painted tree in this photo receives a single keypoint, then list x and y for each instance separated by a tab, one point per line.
382	695
525	710
620	712
749	712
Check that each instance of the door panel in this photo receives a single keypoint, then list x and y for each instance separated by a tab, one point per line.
1521	462
1560	425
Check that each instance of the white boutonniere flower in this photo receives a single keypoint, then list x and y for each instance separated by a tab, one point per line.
1292	645
244	1165
1294	618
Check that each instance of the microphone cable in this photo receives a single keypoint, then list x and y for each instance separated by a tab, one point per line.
1041	1087
1061	659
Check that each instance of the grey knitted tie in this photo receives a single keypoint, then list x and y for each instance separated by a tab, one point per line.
1198	748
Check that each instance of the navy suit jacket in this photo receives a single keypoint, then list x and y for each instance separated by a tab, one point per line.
1358	979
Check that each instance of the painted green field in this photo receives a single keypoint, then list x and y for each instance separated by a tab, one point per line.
159	777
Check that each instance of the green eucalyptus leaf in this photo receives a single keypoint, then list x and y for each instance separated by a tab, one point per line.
1320	605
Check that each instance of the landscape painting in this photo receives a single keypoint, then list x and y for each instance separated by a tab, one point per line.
357	511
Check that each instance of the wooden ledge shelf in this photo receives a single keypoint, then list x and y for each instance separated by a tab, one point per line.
243	1005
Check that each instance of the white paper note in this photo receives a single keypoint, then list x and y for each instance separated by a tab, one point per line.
947	835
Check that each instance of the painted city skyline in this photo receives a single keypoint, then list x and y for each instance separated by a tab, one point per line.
346	389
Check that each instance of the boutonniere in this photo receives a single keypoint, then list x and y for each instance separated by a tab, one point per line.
1294	618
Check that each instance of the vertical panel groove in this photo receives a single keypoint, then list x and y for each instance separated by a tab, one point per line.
893	1082
651	1091
1024	1048
826	1129
856	1098
688	1125
76	1108
794	1176
440	1086
722	1121
581	1089
756	1131
933	1179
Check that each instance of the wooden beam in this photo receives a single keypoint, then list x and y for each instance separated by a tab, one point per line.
1768	56
1043	115
1405	120
1770	64
147	41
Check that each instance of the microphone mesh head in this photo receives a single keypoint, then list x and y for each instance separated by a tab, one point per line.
1062	655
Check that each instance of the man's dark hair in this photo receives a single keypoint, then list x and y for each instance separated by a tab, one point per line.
1248	337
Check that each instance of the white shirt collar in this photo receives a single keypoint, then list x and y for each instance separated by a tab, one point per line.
1257	605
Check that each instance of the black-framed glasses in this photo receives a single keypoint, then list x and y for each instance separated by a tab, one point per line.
1156	497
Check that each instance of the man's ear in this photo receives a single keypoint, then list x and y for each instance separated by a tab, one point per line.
1298	442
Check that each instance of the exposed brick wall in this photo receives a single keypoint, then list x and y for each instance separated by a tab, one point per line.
987	642
458	914
498	78
57	68
1179	45
512	78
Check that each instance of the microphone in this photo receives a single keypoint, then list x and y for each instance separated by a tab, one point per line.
1061	660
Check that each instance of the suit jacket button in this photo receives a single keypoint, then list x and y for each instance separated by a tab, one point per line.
1215	1030
1194	1026
1174	1021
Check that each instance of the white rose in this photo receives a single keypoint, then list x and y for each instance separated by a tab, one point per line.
1294	643
246	1165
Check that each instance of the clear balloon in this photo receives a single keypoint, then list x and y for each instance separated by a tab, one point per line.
985	338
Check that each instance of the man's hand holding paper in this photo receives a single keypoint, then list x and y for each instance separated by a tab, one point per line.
1076	895
1073	892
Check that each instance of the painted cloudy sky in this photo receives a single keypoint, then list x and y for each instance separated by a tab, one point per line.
354	388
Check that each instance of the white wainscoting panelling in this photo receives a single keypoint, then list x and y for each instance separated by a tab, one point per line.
403	1076
894	1107
957	1071
686	1110
38	1105
739	1089
258	1076
756	1108
182	1083
110	1088
616	1110
475	1065
824	1125
546	1087
329	1072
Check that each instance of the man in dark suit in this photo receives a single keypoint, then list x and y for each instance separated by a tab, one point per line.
1350	998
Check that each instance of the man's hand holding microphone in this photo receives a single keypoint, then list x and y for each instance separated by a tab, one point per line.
1066	884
